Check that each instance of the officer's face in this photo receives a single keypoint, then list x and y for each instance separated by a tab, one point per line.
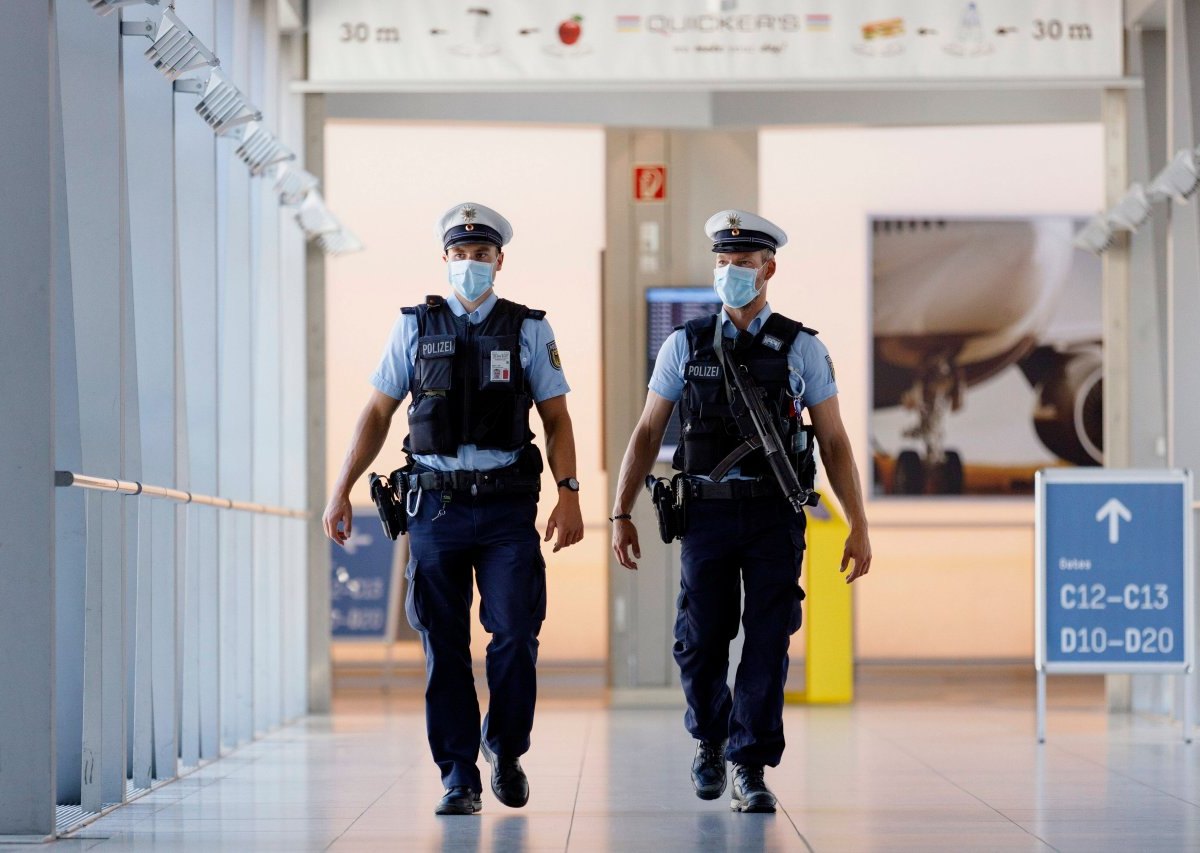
482	252
750	261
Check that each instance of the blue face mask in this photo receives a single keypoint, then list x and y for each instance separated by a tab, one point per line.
470	279
736	285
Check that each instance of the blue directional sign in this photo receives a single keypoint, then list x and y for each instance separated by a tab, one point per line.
1114	570
364	586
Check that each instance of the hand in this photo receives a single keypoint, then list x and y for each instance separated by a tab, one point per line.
624	537
858	549
567	521
338	512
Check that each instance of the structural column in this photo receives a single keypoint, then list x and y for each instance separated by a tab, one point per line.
651	243
27	51
1183	258
1147	123
1115	299
319	666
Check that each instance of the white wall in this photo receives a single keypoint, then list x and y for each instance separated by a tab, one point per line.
951	578
389	182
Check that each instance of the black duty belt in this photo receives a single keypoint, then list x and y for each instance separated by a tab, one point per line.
731	489
477	482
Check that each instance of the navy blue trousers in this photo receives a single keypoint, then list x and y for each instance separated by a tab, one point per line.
760	543
495	537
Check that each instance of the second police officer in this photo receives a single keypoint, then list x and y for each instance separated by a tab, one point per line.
474	364
741	530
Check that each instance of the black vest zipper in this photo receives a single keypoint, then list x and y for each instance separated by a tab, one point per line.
471	369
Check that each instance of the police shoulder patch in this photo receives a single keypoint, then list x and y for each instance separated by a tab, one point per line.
552	350
832	372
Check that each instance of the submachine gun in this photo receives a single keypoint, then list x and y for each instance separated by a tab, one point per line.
753	420
756	422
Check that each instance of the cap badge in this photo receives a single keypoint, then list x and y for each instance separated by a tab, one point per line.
468	214
735	222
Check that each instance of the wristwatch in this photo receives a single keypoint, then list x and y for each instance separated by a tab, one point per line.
569	483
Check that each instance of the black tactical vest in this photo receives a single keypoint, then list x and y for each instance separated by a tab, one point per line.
468	384
708	432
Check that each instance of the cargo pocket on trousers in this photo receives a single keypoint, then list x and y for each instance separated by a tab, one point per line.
539	591
412	598
681	621
797	617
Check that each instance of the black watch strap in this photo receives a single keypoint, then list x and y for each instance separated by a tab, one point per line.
569	483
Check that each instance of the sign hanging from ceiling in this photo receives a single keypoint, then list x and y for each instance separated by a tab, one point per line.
474	46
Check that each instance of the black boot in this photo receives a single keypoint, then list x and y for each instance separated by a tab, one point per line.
708	769
750	792
509	782
459	800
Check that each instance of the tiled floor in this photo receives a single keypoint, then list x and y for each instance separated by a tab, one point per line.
953	768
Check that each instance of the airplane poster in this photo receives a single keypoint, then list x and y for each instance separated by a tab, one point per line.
987	353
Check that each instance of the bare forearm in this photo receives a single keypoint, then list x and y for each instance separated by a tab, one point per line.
369	434
639	459
843	476
560	447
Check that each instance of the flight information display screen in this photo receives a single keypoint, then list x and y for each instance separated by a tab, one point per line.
666	308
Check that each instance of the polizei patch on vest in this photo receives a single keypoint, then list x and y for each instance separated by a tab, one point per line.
501	365
552	350
439	346
702	371
772	342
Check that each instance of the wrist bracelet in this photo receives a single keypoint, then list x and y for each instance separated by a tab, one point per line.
622	517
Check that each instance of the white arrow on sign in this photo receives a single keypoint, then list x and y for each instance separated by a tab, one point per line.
1115	512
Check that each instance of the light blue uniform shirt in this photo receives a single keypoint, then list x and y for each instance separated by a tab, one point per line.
394	377
810	369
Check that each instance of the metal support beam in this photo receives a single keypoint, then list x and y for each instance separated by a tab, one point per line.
1115	300
1117	379
27	165
1147	306
1183	266
90	68
319	666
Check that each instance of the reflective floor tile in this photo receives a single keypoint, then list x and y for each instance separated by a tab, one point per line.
944	772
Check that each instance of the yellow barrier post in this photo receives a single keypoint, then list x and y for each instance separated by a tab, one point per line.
828	614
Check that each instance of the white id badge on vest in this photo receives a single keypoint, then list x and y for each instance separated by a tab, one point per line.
501	366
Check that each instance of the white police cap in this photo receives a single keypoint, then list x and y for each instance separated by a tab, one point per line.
739	231
470	222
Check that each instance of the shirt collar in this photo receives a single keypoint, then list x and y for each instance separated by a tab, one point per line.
479	314
730	331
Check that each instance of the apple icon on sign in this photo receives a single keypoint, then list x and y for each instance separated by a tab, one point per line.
570	30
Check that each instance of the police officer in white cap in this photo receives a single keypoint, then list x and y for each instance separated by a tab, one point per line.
740	529
474	364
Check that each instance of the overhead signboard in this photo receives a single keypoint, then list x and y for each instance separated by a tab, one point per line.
1114	573
415	44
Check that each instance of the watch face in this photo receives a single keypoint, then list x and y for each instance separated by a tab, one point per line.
571	483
